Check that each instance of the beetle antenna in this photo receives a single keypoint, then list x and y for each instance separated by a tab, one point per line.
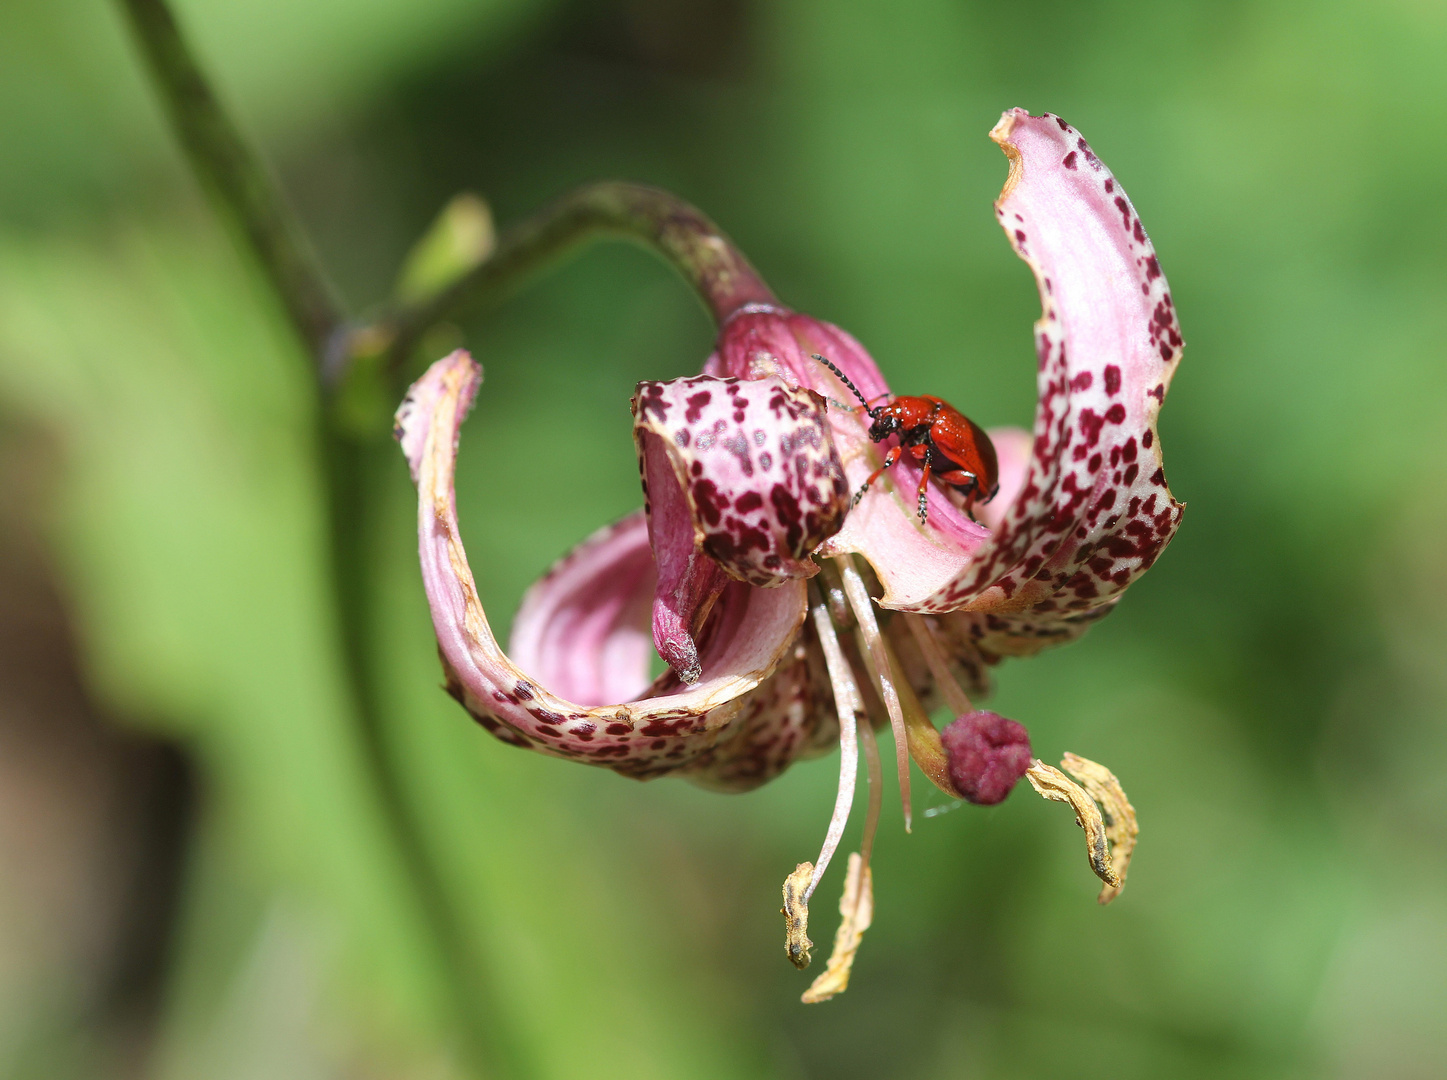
845	380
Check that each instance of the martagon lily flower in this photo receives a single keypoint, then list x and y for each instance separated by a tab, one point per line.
791	622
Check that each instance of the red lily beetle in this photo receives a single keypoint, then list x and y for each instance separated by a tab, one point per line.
951	447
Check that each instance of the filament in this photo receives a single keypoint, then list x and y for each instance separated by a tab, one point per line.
878	662
874	773
850	706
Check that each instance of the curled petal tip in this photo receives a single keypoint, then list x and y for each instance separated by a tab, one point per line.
754	465
453	380
676	643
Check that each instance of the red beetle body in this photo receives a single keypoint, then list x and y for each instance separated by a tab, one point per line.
949	445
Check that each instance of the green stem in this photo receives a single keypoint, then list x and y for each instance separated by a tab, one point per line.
238	182
244	194
671	228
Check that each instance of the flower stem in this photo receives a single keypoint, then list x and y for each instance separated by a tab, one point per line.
671	228
244	194
237	180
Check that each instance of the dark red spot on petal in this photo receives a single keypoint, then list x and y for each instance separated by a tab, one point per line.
696	403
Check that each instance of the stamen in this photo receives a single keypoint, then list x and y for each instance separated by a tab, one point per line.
876	654
833	586
856	905
796	917
1121	828
954	694
849	705
856	908
1054	785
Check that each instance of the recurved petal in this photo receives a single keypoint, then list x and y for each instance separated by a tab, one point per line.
789	717
582	628
689	582
756	466
579	611
1094	510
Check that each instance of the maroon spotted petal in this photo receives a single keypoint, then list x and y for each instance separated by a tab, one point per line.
1094	510
987	754
740	478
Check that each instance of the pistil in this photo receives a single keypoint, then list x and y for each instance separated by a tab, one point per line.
949	687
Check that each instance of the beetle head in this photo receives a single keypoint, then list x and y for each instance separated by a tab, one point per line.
885	423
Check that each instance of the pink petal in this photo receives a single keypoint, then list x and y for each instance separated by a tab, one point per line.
755	465
751	631
689	582
1013	448
910	560
1094	511
739	478
582	628
790	716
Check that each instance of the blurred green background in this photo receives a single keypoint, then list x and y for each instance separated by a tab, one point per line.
195	875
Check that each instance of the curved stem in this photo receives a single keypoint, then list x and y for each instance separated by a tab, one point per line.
677	232
239	184
244	194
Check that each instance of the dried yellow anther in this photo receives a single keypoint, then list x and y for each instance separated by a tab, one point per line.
1120	820
857	910
796	916
1054	785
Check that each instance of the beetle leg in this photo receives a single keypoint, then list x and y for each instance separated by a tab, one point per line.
969	483
958	478
971	497
923	490
889	459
